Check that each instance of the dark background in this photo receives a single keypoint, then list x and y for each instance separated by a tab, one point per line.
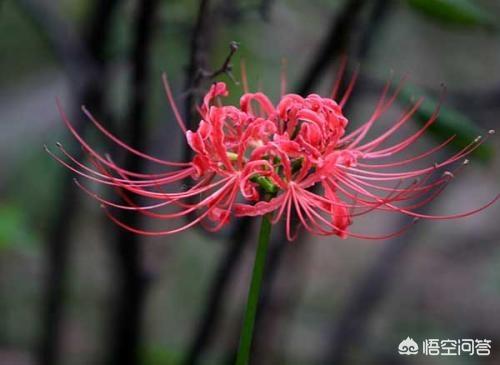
74	289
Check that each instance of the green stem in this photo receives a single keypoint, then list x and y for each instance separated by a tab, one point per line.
254	293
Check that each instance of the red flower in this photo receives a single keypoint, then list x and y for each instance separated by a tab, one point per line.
293	160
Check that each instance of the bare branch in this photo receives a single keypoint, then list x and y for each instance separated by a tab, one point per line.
226	67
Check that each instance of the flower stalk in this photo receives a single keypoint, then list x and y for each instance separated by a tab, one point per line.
246	335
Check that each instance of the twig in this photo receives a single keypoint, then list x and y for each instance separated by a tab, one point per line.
131	278
226	67
203	74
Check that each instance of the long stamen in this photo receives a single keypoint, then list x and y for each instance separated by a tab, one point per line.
172	103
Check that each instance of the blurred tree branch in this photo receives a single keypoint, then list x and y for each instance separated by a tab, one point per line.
334	44
126	329
82	59
378	13
265	9
71	49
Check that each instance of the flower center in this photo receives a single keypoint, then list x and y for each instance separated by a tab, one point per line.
269	146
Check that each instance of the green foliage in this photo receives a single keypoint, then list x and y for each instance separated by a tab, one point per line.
449	122
161	355
24	49
455	12
44	190
13	228
155	355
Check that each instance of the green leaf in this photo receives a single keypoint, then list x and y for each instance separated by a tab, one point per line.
449	122
455	12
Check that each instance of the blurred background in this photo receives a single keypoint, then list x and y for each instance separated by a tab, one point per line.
74	289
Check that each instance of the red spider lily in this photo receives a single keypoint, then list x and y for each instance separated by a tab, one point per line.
293	160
